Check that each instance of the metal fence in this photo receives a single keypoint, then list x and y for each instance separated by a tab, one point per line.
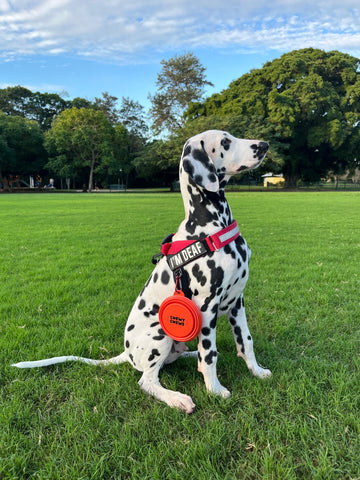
339	186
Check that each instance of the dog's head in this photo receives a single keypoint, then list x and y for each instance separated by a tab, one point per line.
212	157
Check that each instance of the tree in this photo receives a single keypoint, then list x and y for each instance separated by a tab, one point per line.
181	81
44	107
157	162
80	138
309	101
21	146
15	100
132	116
108	105
79	102
41	107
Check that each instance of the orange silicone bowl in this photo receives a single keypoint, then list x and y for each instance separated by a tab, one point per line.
180	318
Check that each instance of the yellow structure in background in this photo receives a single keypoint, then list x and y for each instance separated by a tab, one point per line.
272	179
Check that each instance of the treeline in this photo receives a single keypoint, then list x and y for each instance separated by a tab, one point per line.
306	104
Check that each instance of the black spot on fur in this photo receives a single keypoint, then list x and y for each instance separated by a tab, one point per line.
242	252
229	251
142	304
198	274
187	150
154	353
188	167
234	311
130	327
205	331
243	274
154	311
127	344
239	241
213	322
241	248
206	344
201	156
160	336
212	177
226	308
156	276
225	142
239	339
165	277
209	357
154	324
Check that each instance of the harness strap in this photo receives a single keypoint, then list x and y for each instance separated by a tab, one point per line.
214	242
181	252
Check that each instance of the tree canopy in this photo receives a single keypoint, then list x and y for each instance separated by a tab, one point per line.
305	103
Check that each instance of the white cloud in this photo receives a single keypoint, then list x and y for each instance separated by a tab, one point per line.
119	30
43	87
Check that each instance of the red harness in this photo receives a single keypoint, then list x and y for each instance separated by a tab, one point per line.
214	242
179	316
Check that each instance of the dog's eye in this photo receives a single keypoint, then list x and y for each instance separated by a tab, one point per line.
225	142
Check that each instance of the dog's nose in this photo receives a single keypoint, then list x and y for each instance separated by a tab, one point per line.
263	146
262	149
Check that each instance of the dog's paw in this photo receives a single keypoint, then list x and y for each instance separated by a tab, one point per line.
261	372
224	393
220	391
182	402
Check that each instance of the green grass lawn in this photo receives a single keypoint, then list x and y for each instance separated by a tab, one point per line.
71	268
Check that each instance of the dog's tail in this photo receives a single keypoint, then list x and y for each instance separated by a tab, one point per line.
71	358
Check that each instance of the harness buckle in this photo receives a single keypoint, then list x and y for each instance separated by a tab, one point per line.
156	258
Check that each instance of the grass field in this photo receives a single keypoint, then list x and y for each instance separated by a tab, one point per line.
71	268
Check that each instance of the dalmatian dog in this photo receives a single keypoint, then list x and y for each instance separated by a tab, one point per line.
214	281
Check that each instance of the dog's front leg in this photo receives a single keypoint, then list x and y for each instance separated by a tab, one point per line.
150	383
244	341
207	356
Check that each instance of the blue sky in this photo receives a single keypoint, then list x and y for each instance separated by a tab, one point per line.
86	47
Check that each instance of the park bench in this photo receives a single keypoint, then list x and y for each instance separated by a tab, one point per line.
117	187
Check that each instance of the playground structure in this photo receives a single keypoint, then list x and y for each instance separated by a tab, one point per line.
15	182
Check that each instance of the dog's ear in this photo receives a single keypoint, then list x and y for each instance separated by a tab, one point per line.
198	165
